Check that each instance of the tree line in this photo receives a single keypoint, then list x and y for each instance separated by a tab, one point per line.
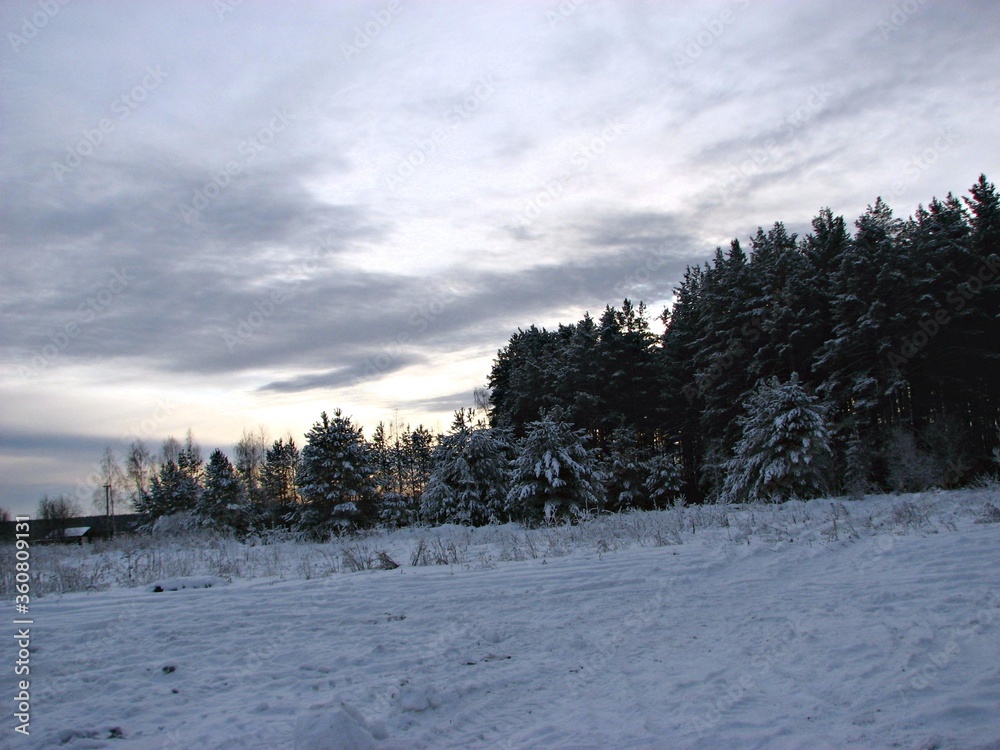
838	362
340	481
886	340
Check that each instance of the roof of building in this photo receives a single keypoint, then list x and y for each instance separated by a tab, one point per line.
73	532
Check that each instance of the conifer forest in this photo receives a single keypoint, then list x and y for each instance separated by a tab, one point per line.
859	358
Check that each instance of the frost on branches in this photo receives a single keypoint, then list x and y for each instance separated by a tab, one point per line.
221	503
555	474
336	476
468	484
784	442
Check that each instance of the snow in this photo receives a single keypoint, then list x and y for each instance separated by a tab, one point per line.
341	728
868	624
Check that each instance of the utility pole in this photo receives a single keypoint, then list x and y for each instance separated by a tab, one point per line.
109	511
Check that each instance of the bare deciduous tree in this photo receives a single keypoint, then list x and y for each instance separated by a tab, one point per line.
250	454
113	477
140	468
58	510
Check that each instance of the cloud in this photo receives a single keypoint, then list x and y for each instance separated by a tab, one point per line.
232	168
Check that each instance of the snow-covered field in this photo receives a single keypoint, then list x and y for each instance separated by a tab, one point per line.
821	625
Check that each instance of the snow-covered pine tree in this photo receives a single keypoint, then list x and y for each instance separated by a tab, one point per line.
682	391
664	481
625	472
221	504
178	486
468	482
336	476
868	294
858	462
554	475
629	382
784	445
405	469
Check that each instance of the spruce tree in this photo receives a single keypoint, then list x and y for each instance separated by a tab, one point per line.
336	476
222	502
664	480
784	446
178	486
468	482
683	393
555	475
625	472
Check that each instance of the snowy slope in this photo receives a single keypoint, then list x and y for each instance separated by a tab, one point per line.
871	640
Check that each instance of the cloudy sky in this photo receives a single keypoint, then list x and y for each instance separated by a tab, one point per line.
222	215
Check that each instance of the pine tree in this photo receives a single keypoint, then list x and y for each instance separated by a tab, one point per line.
859	457
178	486
625	472
173	490
729	333
784	445
864	375
982	330
523	379
418	461
554	475
629	381
664	482
384	459
278	482
683	393
468	483
579	379
404	458
222	503
336	476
